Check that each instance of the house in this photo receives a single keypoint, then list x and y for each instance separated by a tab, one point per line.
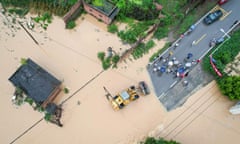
36	83
105	12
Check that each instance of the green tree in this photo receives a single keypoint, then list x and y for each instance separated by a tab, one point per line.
115	58
101	55
106	63
230	86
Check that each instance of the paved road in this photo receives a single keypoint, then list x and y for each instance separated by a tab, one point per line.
202	34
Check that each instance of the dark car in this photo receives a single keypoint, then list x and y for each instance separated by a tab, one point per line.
144	88
212	17
220	2
220	40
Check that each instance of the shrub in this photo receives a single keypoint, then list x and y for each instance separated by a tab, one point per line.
101	55
28	100
23	61
152	140
46	16
106	63
66	90
37	19
45	26
149	44
161	32
230	86
47	116
112	28
70	25
115	59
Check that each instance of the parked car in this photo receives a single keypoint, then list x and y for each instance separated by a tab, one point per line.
212	17
221	2
220	40
144	88
215	41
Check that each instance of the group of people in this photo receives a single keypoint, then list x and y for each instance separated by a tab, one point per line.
171	64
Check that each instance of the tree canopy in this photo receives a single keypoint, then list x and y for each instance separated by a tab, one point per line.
230	86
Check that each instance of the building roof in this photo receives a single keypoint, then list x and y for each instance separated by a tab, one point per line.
36	83
107	8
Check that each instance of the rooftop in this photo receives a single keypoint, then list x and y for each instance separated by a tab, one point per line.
105	7
36	83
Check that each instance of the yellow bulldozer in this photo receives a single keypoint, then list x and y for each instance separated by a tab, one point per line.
123	98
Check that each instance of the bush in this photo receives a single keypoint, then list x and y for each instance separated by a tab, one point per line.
46	16
161	32
37	19
47	116
101	55
28	100
115	59
149	44
112	28
66	90
23	61
230	86
106	63
70	25
128	36
152	140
